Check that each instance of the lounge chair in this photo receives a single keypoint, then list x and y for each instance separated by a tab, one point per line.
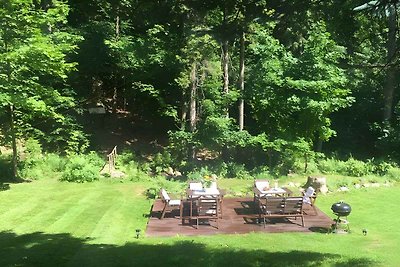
309	197
169	204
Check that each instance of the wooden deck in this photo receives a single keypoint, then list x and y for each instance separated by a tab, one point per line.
234	221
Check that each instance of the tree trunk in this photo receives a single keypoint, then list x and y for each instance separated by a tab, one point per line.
193	97
225	67
241	83
117	26
184	109
192	107
14	144
114	98
115	90
390	83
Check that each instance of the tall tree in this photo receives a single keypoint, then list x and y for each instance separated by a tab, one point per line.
387	9
34	68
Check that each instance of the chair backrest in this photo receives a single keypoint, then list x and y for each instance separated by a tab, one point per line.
309	192
195	186
213	185
261	184
275	205
208	206
293	205
164	195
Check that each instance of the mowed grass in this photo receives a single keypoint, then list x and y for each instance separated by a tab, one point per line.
49	223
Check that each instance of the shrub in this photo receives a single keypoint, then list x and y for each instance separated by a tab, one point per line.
237	171
47	166
356	168
393	173
330	166
125	157
80	168
161	162
381	167
198	175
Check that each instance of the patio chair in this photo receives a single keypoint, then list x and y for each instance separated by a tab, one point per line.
208	209
309	197
259	187
169	204
294	208
281	207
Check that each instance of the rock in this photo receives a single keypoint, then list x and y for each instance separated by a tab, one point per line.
178	173
318	183
169	171
366	185
343	189
375	185
357	186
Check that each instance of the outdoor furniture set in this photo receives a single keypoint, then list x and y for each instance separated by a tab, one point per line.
205	204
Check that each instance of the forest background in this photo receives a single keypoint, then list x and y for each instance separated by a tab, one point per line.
228	87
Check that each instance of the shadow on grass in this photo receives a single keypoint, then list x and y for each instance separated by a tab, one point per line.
40	249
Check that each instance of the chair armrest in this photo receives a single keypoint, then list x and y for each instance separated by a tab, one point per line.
257	191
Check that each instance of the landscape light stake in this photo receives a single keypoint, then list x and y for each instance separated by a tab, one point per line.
137	233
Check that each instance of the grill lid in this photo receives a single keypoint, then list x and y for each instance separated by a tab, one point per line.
341	208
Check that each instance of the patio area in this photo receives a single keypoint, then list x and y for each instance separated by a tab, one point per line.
238	218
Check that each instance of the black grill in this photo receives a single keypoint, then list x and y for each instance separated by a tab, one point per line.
341	209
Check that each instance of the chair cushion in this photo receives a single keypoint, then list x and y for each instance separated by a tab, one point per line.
165	194
309	192
213	185
174	202
195	186
262	185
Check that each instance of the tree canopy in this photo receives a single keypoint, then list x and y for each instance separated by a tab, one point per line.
228	77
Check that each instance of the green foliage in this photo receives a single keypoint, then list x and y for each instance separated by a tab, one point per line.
41	166
81	168
393	174
5	168
331	165
34	67
237	171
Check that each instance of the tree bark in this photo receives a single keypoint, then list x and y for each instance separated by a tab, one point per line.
390	83
193	97
241	83
225	67
115	98
192	106
184	113
14	143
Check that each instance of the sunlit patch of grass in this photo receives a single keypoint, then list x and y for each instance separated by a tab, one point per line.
48	223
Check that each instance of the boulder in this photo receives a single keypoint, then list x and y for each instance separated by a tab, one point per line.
318	183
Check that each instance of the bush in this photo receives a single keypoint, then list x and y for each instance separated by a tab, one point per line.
161	162
80	168
37	165
393	174
356	168
237	171
381	167
331	166
125	157
198	175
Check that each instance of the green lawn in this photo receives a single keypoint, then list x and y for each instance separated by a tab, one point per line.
49	223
